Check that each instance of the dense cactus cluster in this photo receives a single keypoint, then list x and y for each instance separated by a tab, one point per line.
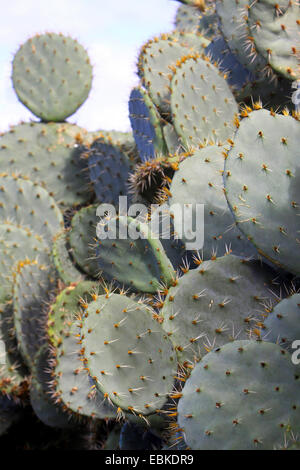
139	342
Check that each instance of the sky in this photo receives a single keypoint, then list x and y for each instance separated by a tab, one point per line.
112	31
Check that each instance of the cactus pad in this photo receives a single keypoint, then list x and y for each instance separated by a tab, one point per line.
203	107
49	154
214	304
243	396
52	76
263	159
128	353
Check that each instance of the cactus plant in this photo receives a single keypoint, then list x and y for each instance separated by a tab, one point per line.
140	342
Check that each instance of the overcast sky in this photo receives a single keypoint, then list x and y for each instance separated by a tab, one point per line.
112	31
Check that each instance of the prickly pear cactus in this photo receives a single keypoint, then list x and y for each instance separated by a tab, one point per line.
216	303
115	332
127	353
263	158
244	395
67	67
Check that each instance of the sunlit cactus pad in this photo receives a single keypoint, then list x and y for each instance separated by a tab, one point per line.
52	76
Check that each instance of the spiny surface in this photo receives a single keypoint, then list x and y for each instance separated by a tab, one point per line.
129	253
199	180
52	76
33	286
146	125
128	353
15	244
216	303
265	157
243	396
48	154
203	107
29	205
82	239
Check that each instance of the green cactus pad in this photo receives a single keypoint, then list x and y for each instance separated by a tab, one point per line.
65	267
146	125
276	31
203	107
82	239
282	326
243	396
263	159
29	205
139	263
52	76
67	304
216	303
33	286
199	180
44	407
234	25
13	377
72	387
157	59
15	244
13	374
128	353
49	154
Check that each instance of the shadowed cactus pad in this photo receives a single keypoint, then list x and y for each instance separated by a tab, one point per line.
9	413
128	353
52	76
146	125
44	407
33	286
243	396
109	168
